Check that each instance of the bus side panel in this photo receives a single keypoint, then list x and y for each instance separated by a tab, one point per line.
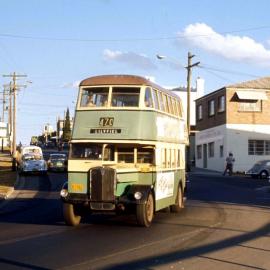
128	125
167	186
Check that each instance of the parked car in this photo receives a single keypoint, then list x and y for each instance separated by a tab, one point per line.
57	162
260	169
32	149
32	163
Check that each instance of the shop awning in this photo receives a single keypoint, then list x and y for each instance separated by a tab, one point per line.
252	95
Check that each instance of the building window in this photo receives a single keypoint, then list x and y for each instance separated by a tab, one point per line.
221	151
258	147
211	147
199	151
211	107
221	104
250	106
199	112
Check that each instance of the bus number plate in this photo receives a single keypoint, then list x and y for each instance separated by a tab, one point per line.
106	121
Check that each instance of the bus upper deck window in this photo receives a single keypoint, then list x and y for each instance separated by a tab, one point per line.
125	96
94	97
161	102
148	101
155	97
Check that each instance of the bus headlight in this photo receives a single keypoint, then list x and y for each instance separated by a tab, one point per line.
63	193
137	195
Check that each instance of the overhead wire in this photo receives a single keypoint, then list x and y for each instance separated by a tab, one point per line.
4	35
228	71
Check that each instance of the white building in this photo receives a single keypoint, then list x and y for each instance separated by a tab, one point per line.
3	134
195	93
234	119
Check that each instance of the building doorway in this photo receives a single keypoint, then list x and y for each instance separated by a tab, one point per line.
205	155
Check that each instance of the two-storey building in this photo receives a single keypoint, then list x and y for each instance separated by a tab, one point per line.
234	119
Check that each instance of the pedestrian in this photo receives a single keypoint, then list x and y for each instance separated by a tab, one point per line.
229	164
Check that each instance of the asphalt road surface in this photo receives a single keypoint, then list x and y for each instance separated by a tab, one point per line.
225	225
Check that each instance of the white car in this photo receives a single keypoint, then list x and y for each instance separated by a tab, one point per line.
32	163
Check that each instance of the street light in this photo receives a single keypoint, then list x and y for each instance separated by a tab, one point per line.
160	57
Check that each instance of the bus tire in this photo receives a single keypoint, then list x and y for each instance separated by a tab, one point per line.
145	211
70	216
179	205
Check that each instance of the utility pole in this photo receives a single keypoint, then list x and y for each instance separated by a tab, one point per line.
3	113
8	89
189	69
14	87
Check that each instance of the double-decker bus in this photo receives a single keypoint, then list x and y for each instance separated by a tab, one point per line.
127	152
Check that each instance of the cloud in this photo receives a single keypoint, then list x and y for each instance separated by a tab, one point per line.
232	47
130	58
71	85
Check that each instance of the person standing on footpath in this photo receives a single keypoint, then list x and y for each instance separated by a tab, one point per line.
229	164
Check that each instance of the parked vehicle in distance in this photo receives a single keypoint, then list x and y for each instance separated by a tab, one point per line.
260	169
32	163
50	145
32	149
57	162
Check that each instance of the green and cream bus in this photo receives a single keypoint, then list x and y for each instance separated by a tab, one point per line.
127	152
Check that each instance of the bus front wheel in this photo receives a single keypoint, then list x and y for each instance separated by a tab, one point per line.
70	214
179	205
145	212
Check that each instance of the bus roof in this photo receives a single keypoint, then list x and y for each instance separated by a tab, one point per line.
122	80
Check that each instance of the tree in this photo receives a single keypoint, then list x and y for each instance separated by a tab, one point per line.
66	128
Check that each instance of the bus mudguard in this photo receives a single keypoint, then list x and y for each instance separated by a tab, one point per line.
138	193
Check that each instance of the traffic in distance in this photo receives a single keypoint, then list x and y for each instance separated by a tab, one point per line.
30	160
127	152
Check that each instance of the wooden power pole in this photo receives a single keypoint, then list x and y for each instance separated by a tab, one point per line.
189	69
14	88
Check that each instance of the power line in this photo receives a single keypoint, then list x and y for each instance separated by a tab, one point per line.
228	71
217	75
126	39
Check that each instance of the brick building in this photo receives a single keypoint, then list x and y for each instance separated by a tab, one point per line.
234	119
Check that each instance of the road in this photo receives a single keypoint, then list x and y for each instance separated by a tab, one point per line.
225	225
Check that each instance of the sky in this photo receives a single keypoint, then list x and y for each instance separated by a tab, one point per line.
59	43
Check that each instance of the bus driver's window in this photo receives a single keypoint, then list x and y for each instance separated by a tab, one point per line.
126	155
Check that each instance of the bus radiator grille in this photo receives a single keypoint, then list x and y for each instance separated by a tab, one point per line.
102	184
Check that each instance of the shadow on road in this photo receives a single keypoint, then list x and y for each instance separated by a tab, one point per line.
180	254
212	190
